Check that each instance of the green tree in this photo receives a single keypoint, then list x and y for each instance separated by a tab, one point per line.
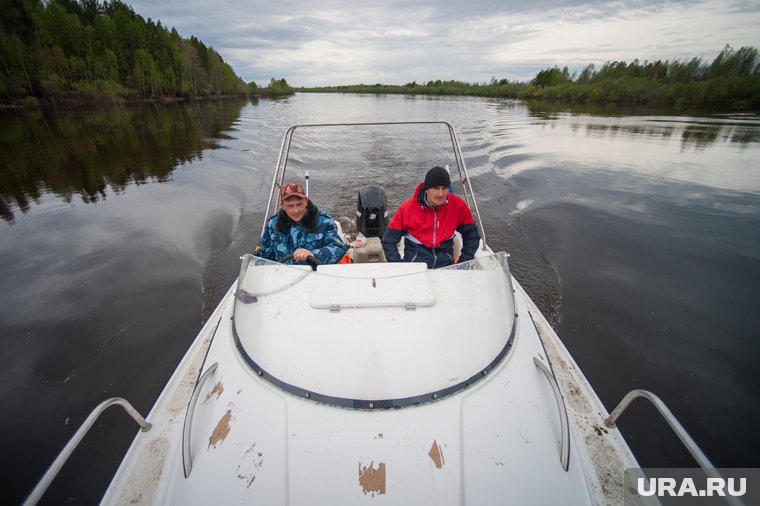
56	47
145	73
551	77
278	87
730	63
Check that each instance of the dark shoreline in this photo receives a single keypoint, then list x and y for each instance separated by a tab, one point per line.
105	102
538	106
739	105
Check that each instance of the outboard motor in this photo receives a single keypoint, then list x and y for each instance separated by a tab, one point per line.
371	214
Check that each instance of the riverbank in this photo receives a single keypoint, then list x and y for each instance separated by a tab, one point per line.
715	95
730	83
75	102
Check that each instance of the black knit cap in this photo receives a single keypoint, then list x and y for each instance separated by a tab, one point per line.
437	176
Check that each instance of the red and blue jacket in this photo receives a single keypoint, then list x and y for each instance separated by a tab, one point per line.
428	231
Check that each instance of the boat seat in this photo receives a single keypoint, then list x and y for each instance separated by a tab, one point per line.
457	246
370	251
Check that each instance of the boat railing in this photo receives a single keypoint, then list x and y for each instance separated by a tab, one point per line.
675	425
282	163
58	463
669	417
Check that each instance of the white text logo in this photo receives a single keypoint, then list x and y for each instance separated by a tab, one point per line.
670	487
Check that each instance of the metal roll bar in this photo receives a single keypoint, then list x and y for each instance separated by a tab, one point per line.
282	162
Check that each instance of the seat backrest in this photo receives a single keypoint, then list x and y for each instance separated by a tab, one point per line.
369	251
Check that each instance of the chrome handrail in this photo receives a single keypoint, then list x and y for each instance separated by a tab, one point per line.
282	163
187	461
669	417
58	463
564	456
674	424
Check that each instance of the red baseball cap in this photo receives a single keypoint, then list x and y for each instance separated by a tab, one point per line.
292	190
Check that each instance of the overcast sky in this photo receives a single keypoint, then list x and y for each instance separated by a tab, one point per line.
332	42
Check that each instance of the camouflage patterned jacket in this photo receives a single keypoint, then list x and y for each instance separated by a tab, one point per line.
316	232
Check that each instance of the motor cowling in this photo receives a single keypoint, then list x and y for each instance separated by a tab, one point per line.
371	214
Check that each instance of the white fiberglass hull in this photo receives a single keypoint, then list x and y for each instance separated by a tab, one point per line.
495	441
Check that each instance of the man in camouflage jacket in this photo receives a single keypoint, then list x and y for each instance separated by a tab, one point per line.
301	230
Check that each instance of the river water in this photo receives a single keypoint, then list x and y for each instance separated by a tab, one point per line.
638	235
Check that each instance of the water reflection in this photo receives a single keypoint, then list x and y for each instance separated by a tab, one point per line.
601	130
694	132
80	154
636	243
112	217
698	135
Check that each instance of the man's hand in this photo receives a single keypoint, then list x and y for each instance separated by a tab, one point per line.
301	254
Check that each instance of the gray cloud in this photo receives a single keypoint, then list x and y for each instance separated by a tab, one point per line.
339	42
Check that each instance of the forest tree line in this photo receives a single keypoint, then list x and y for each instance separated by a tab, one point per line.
85	49
59	50
731	81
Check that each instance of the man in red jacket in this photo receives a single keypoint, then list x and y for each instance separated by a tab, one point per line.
427	222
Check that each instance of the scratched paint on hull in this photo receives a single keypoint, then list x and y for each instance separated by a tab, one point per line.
249	466
218	390
372	479
436	455
221	430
